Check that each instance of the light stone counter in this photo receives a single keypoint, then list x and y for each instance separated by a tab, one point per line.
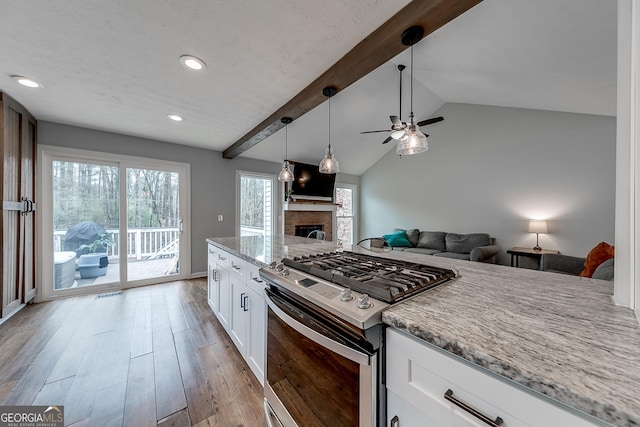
559	335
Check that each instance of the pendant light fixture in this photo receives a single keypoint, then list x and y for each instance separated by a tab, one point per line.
329	164
414	141
285	174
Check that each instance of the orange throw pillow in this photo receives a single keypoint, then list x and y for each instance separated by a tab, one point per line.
602	252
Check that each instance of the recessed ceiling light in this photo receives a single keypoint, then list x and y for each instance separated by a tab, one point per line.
26	81
175	117
192	62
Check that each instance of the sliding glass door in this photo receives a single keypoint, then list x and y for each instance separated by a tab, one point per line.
111	221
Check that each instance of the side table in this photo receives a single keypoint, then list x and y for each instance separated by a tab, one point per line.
517	252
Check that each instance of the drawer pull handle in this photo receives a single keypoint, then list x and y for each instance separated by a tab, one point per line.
257	280
242	300
395	422
236	267
222	258
473	411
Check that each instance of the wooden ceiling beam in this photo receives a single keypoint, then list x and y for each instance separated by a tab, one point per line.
375	50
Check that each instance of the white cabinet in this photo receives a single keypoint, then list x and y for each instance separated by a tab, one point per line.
236	296
218	295
419	375
239	314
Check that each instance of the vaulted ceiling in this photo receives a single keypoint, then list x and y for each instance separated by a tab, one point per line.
114	66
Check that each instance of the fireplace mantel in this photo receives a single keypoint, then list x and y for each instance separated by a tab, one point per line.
310	206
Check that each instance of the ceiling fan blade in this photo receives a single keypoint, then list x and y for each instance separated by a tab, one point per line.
387	140
396	120
375	131
430	121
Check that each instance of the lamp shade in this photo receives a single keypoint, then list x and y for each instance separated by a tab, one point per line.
538	226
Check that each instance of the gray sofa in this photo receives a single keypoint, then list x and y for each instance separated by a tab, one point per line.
567	264
471	247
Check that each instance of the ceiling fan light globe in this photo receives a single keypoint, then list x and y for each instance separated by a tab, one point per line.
414	143
285	174
398	134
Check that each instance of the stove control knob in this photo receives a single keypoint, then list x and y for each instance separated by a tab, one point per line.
363	302
346	295
280	267
285	272
272	265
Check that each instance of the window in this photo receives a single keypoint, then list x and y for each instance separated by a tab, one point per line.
255	201
346	198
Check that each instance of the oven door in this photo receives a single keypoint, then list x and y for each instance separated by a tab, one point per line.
316	375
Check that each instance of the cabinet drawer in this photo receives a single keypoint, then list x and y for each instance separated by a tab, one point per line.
254	281
222	258
212	252
238	268
420	374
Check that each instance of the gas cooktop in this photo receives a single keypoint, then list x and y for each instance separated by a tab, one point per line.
384	279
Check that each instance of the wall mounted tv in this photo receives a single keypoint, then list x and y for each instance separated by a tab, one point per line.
308	183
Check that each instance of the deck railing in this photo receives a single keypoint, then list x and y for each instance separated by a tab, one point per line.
141	242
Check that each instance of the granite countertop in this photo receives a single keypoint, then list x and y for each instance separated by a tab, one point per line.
559	335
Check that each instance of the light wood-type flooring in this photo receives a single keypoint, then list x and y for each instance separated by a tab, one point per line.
154	355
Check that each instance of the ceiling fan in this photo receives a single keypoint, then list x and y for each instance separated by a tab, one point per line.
399	129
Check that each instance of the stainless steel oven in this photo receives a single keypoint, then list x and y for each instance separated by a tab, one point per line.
325	335
320	371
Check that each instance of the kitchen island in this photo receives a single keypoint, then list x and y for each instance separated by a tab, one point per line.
557	336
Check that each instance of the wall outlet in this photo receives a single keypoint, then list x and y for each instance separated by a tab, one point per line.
220	218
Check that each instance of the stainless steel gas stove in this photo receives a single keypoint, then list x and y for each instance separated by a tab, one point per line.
325	335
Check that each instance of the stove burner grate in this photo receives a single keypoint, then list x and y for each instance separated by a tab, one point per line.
384	279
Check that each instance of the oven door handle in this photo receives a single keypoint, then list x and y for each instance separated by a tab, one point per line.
336	347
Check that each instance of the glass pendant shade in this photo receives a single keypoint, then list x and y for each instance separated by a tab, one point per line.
329	164
413	143
285	174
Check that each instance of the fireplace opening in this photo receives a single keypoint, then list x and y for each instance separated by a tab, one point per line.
304	230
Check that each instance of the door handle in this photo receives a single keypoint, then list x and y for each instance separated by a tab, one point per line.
242	300
181	226
245	307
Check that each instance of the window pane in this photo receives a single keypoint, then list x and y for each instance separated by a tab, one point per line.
344	199
85	224
255	206
345	229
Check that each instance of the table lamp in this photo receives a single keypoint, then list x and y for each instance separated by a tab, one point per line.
537	226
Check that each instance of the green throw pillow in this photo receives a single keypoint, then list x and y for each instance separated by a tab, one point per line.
398	239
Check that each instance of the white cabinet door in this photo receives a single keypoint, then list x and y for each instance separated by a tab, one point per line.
213	294
239	325
256	342
224	298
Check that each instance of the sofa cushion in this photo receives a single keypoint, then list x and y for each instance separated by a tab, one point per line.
432	240
397	238
463	243
453	255
425	251
600	253
412	234
604	270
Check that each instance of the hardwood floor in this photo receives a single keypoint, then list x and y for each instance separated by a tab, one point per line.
154	355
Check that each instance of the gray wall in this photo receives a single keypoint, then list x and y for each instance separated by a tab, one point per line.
490	169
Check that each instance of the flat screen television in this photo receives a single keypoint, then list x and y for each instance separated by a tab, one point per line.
308	183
